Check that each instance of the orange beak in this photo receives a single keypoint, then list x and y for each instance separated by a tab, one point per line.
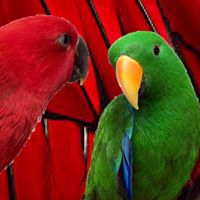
129	76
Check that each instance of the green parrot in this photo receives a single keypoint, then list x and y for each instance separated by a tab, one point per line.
148	138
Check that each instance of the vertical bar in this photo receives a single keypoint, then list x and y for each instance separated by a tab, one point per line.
11	186
85	143
46	129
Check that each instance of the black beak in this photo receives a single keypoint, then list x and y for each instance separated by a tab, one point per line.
81	62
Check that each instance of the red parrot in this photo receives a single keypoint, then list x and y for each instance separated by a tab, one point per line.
38	56
57	164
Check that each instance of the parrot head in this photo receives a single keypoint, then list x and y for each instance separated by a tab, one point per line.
145	66
42	53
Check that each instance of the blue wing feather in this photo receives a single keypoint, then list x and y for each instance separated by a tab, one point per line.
124	158
127	165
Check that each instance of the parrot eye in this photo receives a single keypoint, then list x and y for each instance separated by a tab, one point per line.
64	40
156	50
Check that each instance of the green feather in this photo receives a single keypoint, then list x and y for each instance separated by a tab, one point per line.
166	135
106	153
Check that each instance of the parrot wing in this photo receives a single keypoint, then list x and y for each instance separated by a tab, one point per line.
127	166
109	151
15	130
